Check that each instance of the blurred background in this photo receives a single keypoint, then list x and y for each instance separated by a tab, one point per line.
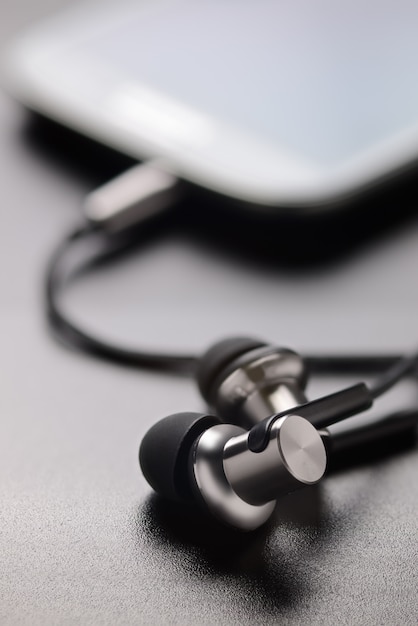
82	540
350	267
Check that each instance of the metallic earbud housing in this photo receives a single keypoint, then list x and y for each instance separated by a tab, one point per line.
240	487
262	382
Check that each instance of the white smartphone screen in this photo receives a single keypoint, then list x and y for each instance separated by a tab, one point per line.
325	79
276	101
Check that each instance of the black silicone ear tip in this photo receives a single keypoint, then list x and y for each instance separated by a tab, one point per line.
218	357
164	452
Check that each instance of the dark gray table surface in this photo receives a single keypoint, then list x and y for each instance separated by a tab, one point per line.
82	538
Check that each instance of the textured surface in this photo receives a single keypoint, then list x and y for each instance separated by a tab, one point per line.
82	540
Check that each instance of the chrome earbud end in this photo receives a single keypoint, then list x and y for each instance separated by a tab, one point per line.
294	456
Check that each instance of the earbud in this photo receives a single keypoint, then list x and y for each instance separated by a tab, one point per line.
192	455
245	380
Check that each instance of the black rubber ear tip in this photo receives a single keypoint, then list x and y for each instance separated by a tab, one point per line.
164	453
218	357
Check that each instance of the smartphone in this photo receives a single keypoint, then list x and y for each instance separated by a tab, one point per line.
281	104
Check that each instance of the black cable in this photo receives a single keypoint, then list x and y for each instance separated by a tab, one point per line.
394	374
393	367
72	334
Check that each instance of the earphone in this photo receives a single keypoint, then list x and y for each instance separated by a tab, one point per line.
265	439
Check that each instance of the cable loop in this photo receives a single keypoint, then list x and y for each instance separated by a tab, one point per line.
394	367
